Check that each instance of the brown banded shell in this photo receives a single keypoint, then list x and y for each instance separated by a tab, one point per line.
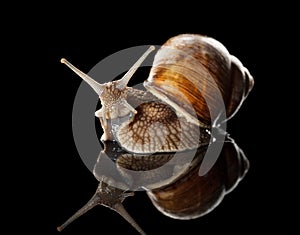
198	77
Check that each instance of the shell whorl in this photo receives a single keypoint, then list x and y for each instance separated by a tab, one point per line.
198	77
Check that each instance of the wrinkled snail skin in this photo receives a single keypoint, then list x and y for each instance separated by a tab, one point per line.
192	82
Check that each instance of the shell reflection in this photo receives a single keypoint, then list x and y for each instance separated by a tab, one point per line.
172	183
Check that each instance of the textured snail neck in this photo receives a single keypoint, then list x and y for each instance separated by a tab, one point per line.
113	97
114	102
107	196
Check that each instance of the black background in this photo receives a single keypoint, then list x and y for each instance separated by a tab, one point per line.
58	183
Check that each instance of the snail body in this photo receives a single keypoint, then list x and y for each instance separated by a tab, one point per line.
191	79
193	86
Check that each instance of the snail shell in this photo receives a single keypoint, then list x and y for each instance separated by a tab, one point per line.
190	71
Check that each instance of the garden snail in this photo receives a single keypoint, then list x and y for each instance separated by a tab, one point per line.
192	78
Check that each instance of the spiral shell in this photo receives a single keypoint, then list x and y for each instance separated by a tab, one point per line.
198	77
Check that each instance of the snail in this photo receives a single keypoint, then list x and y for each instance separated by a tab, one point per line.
193	86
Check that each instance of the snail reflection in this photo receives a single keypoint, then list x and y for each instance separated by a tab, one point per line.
120	173
156	140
